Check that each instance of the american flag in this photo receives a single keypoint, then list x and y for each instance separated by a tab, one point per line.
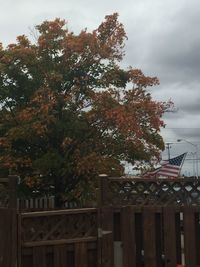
169	168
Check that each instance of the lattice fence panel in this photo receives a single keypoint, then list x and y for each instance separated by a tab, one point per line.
122	191
51	226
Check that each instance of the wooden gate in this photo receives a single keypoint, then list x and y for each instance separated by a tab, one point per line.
60	238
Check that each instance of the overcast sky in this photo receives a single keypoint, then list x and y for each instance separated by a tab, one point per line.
163	41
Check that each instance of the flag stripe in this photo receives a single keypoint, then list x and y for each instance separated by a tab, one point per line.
169	168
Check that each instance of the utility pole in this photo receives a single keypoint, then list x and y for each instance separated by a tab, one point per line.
196	152
168	149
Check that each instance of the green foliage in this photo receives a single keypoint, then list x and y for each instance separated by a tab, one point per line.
66	112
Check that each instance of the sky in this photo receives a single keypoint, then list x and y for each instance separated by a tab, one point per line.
163	41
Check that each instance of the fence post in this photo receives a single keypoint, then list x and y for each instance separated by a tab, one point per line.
103	190
105	225
8	226
13	180
105	234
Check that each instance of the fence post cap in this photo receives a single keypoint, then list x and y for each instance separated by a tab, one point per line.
103	175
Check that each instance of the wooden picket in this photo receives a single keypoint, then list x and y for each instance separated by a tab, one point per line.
8	222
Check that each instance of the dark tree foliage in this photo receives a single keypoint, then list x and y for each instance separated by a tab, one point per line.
68	111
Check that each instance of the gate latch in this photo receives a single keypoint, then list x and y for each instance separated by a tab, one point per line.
102	232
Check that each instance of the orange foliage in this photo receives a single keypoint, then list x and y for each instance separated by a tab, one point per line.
68	109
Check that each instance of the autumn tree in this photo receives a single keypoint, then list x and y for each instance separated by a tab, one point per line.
68	111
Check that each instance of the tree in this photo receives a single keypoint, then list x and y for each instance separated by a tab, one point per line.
68	111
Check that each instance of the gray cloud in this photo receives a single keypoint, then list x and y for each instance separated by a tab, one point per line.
163	41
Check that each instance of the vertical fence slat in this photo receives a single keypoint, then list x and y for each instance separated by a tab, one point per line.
149	237
159	238
56	256
39	256
81	254
19	240
197	229
189	236
8	240
169	225
106	232
128	236
99	242
178	223
139	239
14	236
60	256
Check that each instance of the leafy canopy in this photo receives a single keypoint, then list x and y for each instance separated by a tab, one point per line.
68	111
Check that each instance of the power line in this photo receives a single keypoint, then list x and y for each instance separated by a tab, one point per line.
190	128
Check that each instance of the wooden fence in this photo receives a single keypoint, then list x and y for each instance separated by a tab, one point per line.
157	236
138	223
58	238
130	236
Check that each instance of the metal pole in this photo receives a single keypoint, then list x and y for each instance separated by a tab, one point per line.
197	161
196	151
168	150
193	163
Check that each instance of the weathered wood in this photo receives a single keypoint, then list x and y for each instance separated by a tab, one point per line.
129	191
197	228
149	237
39	257
159	238
99	242
8	238
57	212
189	237
59	242
92	257
106	235
104	191
179	226
4	180
102	187
19	241
128	236
60	256
81	255
13	180
63	229
169	225
117	226
139	239
14	237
